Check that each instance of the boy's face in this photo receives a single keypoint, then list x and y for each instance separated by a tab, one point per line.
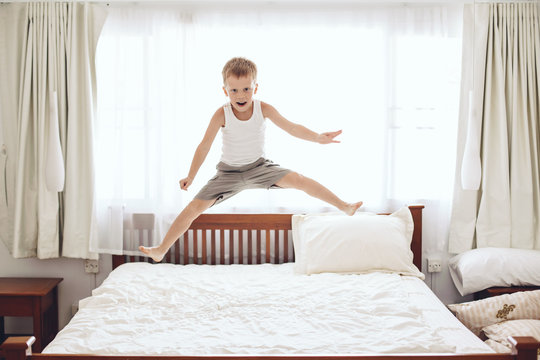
240	91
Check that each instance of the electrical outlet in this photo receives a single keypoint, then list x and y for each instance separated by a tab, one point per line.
434	265
91	266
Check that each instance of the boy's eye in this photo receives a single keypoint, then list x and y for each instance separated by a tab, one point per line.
234	91
246	89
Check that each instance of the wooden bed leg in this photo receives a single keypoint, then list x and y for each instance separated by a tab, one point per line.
18	347
524	347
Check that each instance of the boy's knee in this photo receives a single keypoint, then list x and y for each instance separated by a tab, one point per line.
197	207
293	179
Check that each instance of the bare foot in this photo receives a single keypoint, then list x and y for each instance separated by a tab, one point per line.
350	209
152	252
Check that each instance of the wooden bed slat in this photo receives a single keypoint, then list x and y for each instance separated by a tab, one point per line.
213	245
241	247
231	246
186	248
204	246
276	246
285	246
195	247
268	246
177	252
258	240
222	246
250	247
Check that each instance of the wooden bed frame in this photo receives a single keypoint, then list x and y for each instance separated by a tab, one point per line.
231	238
217	238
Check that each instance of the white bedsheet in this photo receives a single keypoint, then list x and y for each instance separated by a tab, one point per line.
260	309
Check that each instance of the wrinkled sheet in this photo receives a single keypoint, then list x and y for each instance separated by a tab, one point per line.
169	309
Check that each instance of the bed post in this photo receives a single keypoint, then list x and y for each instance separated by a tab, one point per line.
524	347
416	244
18	347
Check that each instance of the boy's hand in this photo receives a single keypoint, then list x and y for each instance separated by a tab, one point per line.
328	137
184	183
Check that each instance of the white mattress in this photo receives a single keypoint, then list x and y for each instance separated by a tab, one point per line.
168	309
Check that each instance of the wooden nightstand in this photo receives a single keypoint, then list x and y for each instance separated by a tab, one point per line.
35	297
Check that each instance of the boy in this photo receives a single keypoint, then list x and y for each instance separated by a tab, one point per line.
243	164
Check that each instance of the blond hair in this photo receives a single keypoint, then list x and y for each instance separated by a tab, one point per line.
239	67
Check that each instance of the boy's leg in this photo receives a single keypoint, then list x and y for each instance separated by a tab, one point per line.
178	227
315	189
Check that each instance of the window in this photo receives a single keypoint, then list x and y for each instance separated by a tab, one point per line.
391	85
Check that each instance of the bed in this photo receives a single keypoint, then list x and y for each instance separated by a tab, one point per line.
505	284
239	292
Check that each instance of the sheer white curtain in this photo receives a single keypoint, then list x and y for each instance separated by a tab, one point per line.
388	76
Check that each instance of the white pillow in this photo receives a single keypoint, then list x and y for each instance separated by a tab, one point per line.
482	268
361	243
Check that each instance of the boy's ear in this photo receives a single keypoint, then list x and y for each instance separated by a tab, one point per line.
225	91
256	87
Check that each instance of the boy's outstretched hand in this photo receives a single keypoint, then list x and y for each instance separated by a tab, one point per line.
184	183
328	137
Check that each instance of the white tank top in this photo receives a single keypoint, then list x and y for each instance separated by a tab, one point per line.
243	140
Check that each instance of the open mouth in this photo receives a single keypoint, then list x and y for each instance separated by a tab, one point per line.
241	103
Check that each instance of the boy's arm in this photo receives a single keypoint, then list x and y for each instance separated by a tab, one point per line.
297	130
217	121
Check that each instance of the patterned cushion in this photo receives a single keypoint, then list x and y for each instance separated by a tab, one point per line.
481	313
498	334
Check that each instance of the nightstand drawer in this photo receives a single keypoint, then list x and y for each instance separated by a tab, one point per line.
16	306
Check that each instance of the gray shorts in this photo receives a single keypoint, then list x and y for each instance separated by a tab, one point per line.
230	180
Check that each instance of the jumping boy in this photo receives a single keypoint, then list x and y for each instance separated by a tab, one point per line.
243	164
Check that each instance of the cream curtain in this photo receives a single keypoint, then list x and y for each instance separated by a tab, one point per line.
501	131
47	102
